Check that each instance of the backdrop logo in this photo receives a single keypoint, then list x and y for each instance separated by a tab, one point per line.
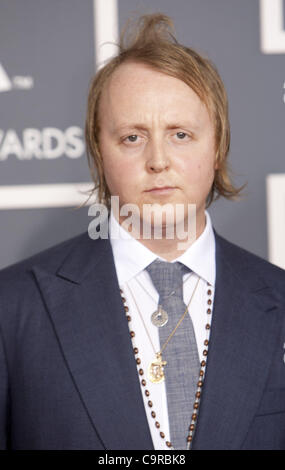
48	143
19	82
271	26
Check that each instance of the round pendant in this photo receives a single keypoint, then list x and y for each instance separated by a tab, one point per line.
159	317
156	370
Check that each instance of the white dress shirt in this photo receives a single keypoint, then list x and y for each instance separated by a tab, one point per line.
131	258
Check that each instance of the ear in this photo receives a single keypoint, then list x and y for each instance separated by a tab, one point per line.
217	163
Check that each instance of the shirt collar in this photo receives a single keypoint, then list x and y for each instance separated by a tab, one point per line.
131	257
200	257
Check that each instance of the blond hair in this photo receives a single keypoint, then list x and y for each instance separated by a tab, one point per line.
151	41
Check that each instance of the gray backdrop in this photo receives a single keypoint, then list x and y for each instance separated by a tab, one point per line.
47	53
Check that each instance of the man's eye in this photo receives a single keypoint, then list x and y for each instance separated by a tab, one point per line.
132	138
181	135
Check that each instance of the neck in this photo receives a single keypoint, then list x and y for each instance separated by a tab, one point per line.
171	248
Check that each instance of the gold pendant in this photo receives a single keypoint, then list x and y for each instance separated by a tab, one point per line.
156	369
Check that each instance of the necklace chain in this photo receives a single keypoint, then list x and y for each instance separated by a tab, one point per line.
201	378
175	328
180	320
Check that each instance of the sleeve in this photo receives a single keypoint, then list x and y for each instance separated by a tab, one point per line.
4	397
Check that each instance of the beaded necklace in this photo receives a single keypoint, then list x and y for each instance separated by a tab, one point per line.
201	377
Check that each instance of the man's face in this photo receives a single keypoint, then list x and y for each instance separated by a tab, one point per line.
156	140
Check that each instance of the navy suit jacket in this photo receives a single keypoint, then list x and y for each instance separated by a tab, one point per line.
68	378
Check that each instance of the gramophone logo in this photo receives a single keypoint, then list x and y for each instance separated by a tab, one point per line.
19	82
5	82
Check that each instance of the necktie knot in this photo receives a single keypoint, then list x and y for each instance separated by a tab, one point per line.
167	277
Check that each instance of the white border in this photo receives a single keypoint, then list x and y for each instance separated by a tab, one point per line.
272	34
44	195
275	187
106	30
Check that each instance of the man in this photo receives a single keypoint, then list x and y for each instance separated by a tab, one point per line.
146	342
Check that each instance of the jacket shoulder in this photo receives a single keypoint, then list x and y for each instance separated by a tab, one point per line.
19	292
248	264
49	258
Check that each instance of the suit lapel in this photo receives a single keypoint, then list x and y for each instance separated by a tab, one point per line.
86	309
243	337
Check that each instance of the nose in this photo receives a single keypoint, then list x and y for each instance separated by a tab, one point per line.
157	159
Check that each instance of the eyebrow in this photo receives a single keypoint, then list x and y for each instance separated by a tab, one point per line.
169	126
130	126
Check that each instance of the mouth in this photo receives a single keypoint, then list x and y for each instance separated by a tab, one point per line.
161	189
